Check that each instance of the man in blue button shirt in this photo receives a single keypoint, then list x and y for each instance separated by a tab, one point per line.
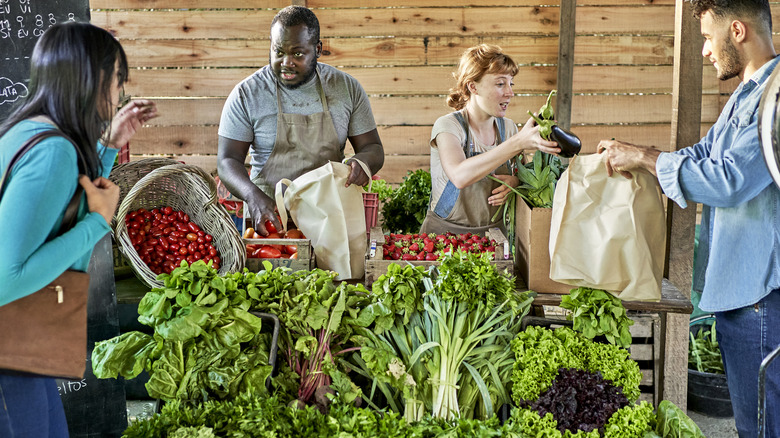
738	270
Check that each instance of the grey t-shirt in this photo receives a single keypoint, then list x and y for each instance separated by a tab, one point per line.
250	111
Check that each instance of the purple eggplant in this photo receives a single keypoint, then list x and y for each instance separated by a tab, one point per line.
569	143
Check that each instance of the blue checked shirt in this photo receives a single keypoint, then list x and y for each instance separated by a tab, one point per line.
738	260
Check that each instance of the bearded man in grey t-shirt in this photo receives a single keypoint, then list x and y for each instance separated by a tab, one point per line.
293	116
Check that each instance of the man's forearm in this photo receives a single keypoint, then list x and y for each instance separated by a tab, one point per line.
373	155
233	174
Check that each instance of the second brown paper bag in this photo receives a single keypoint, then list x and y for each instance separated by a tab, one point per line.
608	232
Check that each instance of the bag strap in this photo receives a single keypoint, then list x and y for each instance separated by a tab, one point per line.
69	218
280	201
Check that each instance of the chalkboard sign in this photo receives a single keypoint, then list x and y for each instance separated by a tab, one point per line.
97	408
21	23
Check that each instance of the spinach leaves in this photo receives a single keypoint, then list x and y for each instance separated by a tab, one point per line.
596	312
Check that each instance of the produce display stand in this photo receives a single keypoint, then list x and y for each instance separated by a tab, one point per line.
376	265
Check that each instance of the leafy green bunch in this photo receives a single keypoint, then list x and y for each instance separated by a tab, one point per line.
451	357
597	312
405	210
470	278
540	353
704	352
400	289
203	347
250	415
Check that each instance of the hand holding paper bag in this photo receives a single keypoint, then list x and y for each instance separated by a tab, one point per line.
608	232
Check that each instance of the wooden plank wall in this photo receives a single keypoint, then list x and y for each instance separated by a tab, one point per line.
188	54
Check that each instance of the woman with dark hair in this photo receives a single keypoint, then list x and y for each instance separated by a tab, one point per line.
77	74
476	141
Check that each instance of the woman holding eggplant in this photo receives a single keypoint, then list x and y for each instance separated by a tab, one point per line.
475	142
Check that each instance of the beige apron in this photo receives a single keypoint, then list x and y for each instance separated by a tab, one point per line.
467	210
303	143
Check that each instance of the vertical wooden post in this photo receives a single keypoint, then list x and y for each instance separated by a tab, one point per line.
681	223
565	62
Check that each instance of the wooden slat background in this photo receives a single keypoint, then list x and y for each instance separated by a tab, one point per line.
188	54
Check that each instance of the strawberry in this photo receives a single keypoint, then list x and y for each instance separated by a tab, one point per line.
431	257
421	255
414	247
408	256
428	246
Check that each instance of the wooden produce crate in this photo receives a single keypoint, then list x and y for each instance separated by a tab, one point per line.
376	265
645	346
305	260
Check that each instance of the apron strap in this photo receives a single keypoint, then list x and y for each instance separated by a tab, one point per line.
501	138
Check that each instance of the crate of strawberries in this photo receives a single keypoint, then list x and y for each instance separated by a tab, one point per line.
290	249
425	249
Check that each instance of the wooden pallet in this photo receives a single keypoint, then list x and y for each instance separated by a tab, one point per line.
376	265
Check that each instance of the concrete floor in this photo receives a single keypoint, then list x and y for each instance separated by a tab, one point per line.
714	427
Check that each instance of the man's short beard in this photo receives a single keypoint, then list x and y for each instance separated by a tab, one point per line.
309	74
730	61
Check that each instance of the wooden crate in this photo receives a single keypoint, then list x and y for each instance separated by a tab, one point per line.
305	260
645	347
376	265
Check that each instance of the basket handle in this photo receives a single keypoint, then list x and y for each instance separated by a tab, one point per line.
213	197
280	201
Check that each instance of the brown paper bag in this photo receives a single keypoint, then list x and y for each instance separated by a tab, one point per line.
329	214
608	232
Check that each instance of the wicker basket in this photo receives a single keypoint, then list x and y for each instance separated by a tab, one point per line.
189	189
125	175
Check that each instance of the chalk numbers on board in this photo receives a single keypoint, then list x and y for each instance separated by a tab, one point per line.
25	25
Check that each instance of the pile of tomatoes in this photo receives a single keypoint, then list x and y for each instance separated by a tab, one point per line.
430	246
273	250
163	237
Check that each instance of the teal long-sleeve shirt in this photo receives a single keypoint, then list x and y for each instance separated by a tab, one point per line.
38	189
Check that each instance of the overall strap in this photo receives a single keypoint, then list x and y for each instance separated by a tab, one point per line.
510	164
69	218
